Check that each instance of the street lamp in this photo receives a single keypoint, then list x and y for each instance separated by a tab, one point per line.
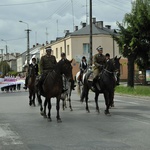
6	45
28	41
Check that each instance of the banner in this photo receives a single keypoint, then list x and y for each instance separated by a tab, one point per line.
8	81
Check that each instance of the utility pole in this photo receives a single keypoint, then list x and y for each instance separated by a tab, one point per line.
1	61
91	54
28	41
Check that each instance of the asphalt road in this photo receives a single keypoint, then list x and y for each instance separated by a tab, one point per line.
23	128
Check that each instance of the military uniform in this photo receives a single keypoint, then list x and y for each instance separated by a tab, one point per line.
47	63
99	62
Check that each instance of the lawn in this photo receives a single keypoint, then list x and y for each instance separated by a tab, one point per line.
136	91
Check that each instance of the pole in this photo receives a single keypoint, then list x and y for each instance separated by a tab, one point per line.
28	41
28	46
91	33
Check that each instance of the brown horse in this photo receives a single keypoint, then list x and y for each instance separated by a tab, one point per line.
53	86
31	86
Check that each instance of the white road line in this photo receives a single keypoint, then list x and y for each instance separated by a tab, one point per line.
134	103
7	136
130	118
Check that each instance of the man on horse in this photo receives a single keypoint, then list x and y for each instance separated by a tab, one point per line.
63	58
99	61
34	66
47	64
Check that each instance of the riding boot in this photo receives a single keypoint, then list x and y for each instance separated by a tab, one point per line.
93	87
26	82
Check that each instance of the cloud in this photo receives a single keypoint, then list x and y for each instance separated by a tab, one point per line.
52	16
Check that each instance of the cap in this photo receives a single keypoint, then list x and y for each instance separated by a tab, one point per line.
99	48
48	49
83	57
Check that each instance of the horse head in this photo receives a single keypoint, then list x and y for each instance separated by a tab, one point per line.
66	69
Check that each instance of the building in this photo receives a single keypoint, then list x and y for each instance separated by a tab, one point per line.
76	44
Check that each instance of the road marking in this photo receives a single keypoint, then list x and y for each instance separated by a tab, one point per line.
134	103
7	136
135	119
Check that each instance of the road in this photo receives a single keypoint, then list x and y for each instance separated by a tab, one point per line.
23	128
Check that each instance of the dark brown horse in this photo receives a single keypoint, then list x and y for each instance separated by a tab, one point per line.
53	86
31	86
105	84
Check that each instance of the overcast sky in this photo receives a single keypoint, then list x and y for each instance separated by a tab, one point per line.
49	18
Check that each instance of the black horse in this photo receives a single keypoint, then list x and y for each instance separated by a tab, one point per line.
105	84
31	86
53	86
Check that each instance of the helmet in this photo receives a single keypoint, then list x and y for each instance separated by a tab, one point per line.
107	55
63	54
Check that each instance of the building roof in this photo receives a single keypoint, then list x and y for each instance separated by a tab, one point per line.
95	31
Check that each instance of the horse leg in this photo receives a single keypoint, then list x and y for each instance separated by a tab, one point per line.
33	100
96	102
30	97
57	108
86	99
49	110
107	103
40	102
45	104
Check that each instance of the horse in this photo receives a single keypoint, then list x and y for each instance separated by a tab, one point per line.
66	96
53	86
105	84
31	86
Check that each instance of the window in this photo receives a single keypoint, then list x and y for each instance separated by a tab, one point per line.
68	51
86	49
60	50
56	52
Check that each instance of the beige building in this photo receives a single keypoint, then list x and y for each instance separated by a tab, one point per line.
76	44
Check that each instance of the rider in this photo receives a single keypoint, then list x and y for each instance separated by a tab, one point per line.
83	67
63	58
47	64
99	62
36	69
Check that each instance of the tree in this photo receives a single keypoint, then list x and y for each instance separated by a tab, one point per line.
4	67
134	37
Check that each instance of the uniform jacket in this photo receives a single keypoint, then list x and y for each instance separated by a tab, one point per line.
99	60
47	63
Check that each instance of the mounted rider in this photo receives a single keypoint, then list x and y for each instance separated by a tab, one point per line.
83	67
99	61
47	64
63	58
34	66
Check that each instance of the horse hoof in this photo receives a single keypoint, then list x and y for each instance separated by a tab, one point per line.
49	120
107	112
59	120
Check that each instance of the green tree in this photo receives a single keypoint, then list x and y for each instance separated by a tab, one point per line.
134	38
4	67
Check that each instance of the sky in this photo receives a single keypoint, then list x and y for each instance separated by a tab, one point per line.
48	19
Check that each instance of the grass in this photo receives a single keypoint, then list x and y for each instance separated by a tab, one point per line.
136	91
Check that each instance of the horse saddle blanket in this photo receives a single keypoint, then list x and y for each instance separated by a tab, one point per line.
90	76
